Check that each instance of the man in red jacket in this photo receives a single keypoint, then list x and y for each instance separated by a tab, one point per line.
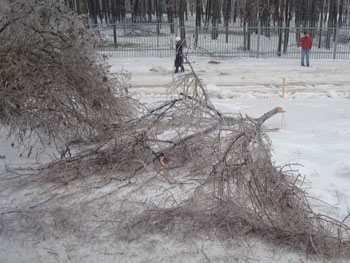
306	44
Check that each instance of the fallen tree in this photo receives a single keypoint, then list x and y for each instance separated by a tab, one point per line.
237	188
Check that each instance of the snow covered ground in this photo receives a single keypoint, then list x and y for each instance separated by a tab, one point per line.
314	132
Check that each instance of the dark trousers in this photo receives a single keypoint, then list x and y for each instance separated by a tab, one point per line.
179	66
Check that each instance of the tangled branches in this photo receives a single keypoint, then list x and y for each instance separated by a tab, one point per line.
52	80
237	187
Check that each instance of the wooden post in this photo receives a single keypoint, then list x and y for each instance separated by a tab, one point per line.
283	87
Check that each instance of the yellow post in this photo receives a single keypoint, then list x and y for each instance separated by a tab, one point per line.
283	87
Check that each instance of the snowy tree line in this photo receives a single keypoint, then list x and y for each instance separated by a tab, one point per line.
322	18
308	13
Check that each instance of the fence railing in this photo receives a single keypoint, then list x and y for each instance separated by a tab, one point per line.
158	40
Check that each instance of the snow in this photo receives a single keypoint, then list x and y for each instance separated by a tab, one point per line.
313	133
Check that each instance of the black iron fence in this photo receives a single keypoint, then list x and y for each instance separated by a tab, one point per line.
158	40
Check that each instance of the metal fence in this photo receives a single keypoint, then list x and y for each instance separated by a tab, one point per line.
158	40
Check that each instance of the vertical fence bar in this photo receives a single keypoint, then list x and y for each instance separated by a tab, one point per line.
336	38
335	42
258	40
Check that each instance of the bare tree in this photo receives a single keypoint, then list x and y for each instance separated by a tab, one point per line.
52	81
181	12
170	14
199	11
215	19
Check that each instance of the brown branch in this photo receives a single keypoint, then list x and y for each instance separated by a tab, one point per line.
269	114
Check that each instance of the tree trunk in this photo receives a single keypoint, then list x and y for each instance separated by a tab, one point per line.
182	10
227	15
198	20
215	19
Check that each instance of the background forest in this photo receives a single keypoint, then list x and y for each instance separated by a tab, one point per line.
325	20
306	13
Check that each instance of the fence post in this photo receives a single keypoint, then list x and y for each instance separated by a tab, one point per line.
335	41
283	87
158	33
258	40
